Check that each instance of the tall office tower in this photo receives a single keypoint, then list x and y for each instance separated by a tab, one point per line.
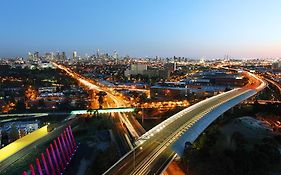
36	56
49	56
57	55
115	56
175	59
74	55
63	56
30	56
98	53
52	55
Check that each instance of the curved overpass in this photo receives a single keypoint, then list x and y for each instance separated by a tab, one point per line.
157	147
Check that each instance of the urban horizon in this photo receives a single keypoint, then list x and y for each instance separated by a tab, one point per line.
182	87
184	28
69	55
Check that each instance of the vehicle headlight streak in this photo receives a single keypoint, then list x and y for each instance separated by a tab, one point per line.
118	102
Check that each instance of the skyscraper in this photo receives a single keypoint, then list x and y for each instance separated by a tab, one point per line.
36	56
49	56
57	56
115	56
30	56
74	55
98	53
63	56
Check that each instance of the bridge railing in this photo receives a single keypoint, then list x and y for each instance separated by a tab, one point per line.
197	128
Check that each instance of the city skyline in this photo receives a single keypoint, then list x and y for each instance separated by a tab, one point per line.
182	28
140	87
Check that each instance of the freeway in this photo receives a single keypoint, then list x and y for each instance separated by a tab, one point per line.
277	85
113	100
154	150
153	144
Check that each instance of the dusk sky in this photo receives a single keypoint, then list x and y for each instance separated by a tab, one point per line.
198	28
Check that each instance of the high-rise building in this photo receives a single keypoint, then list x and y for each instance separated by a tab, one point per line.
49	56
30	56
74	55
63	56
57	55
115	56
36	56
98	53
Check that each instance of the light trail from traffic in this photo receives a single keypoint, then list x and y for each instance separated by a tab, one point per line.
118	102
155	145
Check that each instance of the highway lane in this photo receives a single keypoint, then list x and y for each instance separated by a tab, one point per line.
144	156
120	132
111	101
162	161
275	84
115	100
140	130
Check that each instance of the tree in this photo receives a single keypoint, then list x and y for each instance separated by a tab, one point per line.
4	138
14	133
20	106
239	140
101	95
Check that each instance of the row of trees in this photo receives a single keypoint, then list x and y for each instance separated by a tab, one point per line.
205	157
11	136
